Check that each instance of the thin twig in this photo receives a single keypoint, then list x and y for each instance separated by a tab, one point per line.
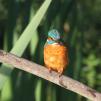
43	72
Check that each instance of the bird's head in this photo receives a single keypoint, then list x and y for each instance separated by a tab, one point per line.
54	35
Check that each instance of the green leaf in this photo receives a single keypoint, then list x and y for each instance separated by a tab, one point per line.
38	89
29	31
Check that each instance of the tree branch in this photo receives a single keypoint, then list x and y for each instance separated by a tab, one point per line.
43	72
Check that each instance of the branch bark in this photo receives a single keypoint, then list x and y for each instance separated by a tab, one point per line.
43	72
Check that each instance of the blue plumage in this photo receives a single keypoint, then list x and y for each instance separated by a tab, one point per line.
50	42
54	34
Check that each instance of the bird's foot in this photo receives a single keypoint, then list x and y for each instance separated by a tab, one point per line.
60	72
50	70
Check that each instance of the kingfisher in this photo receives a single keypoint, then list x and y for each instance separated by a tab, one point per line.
55	52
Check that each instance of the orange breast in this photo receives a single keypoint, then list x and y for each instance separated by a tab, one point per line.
56	57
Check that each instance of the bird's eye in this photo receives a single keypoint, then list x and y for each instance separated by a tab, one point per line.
50	38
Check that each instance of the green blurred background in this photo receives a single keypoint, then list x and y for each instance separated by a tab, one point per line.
79	22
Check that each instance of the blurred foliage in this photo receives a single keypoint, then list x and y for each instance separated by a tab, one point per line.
80	25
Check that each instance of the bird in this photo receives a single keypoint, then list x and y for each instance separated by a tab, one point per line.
55	53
